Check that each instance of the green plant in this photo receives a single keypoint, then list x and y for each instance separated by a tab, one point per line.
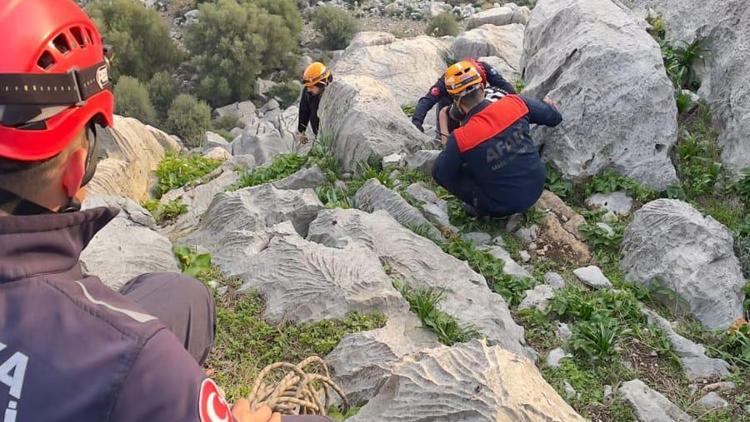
658	28
606	244
164	213
336	414
409	110
735	346
533	216
140	37
235	42
189	119
175	171
282	166
423	301
598	340
191	262
286	93
132	100
519	85
609	181
557	184
680	61
162	89
441	25
337	26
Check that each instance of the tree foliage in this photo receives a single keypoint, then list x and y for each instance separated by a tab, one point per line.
337	26
132	100
162	89
189	119
442	25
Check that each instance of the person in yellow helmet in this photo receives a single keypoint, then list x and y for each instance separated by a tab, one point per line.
315	79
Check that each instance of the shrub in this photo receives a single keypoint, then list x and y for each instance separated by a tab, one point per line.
162	89
442	25
337	26
140	37
132	100
557	183
176	171
189	119
286	93
234	43
282	166
165	212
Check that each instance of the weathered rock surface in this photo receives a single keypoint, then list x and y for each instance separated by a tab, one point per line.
376	58
695	363
418	261
131	154
617	202
373	196
423	160
559	231
262	147
511	267
672	243
555	280
712	401
555	356
470	381
307	178
503	15
593	276
624	116
371	38
126	247
241	111
217	153
212	140
504	43
363	361
538	298
434	209
650	405
477	238
365	121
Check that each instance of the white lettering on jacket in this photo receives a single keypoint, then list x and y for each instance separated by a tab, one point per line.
12	372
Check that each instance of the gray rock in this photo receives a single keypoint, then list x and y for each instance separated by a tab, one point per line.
527	234
617	202
503	42
538	298
423	160
235	132
217	153
692	255
362	362
371	38
563	331
477	238
241	111
712	401
418	261
240	162
504	15
724	386
213	140
747	409
555	356
469	381
607	228
607	392
307	178
593	276
373	196
426	196
434	209
499	241
126	247
262	147
365	121
602	43
555	280
525	256
695	363
511	267
236	225
392	160
570	392
650	405
514	223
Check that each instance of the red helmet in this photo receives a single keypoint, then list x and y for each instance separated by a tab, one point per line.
54	78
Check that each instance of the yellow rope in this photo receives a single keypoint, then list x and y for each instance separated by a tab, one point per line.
300	390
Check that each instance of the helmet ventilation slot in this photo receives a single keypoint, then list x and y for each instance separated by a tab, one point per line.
62	44
46	60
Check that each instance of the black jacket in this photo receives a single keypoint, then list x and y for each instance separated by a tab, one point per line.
308	112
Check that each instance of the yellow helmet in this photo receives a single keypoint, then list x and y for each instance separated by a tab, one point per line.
316	73
462	78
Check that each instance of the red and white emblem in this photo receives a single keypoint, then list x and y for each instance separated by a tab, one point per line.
435	91
212	406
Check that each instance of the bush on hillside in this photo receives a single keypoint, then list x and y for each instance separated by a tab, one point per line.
337	26
162	89
234	43
442	25
140	37
189	119
287	93
131	100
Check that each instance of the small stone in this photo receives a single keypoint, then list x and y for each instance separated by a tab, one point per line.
570	392
650	405
555	356
538	298
514	223
563	331
607	228
532	246
213	284
499	241
477	238
618	203
541	252
222	290
720	386
527	234
555	280
392	160
511	267
395	174
525	256
607	392
712	401
592	276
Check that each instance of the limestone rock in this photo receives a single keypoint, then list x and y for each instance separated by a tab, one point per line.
592	276
371	38
538	298
241	111
594	58
423	160
392	160
469	381
650	405
559	230
555	280
217	153
504	15
362	361
505	43
418	261
477	238
365	121
555	356
126	247
695	363
617	202
171	144
212	140
379	61
712	401
263	148
373	196
511	267
563	331
307	178
692	255
434	209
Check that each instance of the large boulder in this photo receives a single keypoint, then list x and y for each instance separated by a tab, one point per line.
418	261
595	59
365	121
724	27
504	15
407	67
370	39
466	382
126	247
241	111
502	44
262	147
671	243
132	153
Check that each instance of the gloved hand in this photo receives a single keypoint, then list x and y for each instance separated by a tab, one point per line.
302	138
418	125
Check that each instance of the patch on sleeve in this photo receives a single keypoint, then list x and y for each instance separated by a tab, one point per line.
435	91
212	406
